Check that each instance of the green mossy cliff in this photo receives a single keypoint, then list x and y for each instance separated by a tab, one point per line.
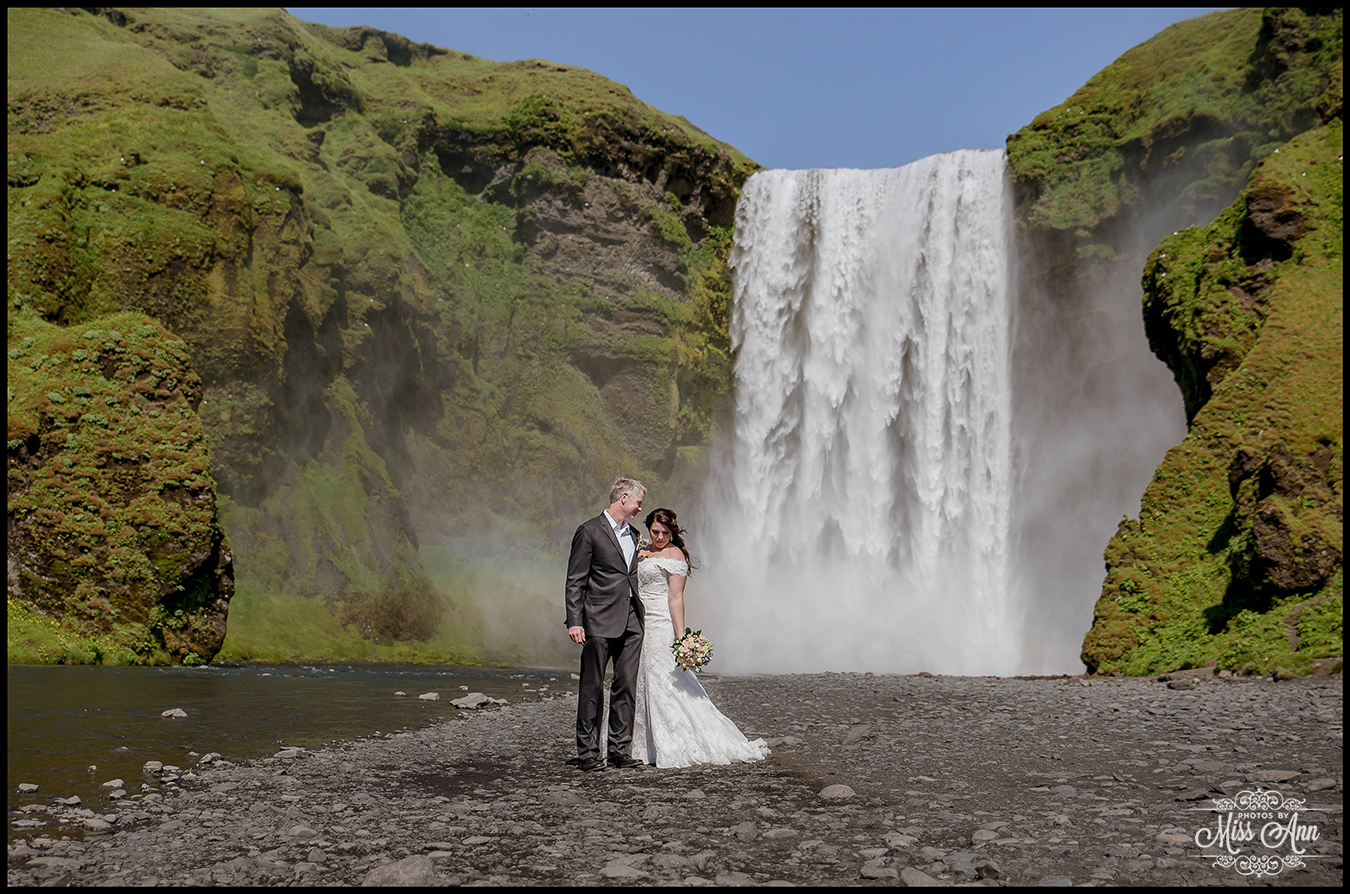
434	302
418	308
1235	558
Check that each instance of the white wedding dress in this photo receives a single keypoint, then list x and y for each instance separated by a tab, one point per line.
675	722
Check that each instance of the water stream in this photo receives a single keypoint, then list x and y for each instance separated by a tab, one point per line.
63	720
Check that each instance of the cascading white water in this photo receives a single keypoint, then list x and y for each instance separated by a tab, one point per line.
863	523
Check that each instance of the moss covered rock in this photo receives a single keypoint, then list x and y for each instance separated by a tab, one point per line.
111	525
1181	120
1236	557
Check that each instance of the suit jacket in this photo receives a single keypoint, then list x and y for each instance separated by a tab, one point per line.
598	581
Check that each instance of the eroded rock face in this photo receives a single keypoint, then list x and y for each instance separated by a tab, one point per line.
1236	556
1296	512
446	311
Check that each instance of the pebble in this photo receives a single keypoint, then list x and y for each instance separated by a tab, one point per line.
874	780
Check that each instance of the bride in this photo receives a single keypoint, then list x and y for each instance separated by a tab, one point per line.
675	723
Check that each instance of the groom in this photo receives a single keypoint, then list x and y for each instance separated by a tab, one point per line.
604	617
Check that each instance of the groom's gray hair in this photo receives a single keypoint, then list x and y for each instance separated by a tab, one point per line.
623	485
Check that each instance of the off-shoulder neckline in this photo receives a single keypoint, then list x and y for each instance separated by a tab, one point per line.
664	559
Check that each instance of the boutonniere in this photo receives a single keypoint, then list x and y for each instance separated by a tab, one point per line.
642	543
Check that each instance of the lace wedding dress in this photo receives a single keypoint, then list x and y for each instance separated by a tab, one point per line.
675	722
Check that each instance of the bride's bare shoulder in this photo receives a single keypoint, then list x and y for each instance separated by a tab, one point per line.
672	552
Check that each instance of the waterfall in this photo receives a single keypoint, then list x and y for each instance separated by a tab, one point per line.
861	521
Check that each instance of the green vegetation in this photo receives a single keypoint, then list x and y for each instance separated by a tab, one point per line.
111	509
704	341
357	240
34	638
1237	545
1236	555
1208	97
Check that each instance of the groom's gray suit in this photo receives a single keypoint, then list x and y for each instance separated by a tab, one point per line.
601	596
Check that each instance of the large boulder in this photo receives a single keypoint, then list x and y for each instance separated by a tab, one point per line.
112	524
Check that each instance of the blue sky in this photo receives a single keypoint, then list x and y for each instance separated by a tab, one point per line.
807	88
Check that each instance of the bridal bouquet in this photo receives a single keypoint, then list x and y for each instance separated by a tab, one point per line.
692	650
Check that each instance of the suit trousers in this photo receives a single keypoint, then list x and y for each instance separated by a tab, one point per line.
626	653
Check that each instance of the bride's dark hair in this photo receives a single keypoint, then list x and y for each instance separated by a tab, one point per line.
667	518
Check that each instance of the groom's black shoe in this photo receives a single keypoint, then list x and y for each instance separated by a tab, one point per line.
591	764
624	762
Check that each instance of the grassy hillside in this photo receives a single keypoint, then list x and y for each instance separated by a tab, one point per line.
435	302
1181	119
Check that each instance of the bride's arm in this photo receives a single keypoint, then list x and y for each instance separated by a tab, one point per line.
676	601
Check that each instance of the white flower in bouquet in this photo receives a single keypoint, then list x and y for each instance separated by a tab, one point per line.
692	651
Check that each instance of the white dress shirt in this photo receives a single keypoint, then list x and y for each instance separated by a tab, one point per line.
626	541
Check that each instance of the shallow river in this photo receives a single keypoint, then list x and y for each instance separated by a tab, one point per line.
63	721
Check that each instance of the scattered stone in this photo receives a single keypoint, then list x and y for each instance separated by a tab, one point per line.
1050	783
836	792
27	788
476	700
410	872
430	697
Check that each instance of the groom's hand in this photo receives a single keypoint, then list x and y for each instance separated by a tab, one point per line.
578	635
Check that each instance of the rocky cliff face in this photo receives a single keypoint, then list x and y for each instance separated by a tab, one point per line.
1162	141
435	303
1236	557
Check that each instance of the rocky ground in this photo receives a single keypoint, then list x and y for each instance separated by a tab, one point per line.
874	780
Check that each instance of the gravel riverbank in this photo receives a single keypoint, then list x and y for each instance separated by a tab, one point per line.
873	780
